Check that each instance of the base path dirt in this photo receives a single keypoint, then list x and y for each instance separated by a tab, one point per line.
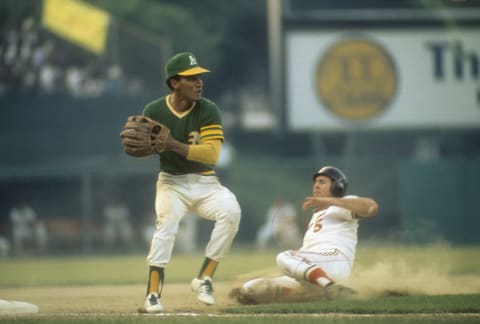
118	299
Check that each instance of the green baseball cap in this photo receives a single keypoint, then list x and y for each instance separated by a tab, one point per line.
183	64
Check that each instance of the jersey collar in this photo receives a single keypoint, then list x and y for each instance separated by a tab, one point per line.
176	113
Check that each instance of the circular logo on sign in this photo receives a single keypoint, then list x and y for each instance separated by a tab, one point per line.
356	79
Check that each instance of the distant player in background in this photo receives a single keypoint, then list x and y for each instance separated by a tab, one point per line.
27	229
117	230
325	261
280	226
187	182
4	247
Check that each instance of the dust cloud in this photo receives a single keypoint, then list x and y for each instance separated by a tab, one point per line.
398	278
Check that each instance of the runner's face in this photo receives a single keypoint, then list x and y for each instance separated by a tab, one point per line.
321	186
190	87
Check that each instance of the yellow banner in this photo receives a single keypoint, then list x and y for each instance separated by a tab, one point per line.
78	22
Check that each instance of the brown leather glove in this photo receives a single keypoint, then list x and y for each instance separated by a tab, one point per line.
142	136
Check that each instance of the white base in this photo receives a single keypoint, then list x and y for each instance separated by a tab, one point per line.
17	307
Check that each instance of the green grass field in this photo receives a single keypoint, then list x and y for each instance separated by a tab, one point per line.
396	284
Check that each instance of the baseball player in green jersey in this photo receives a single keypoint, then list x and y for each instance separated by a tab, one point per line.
187	181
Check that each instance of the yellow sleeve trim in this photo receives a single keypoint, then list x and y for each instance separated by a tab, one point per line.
211	132
207	152
218	127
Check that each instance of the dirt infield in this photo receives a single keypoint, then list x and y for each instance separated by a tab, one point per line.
125	299
178	298
405	275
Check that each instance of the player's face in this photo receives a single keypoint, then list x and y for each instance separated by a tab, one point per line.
190	87
321	186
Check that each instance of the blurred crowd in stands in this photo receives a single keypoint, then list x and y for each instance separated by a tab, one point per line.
34	62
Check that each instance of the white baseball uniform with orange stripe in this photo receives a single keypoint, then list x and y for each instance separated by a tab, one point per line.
329	243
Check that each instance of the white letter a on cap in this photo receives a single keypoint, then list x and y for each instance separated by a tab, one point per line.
193	61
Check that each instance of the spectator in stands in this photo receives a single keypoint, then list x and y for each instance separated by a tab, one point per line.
74	78
32	62
115	84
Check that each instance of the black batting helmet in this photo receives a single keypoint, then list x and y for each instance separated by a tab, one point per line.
339	180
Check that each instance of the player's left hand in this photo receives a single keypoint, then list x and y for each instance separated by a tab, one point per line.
142	136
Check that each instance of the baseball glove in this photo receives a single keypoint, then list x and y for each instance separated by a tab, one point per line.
142	136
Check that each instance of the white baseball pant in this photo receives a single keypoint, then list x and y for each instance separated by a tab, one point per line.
203	195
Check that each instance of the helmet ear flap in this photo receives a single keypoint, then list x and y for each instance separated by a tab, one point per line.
338	188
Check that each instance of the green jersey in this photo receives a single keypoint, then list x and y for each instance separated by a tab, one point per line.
202	121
